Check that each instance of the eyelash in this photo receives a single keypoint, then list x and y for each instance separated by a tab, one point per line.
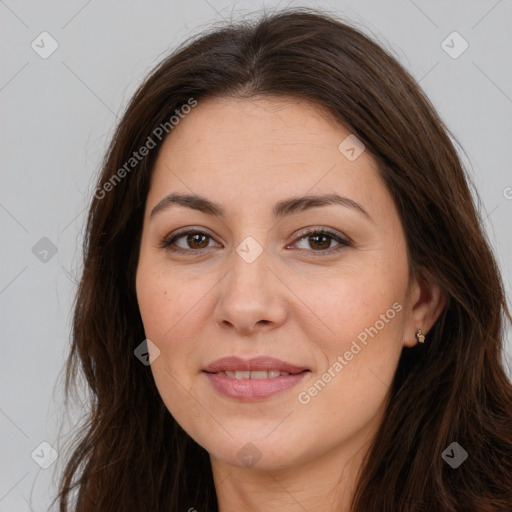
167	242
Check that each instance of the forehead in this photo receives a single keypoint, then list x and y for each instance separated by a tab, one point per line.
259	150
273	128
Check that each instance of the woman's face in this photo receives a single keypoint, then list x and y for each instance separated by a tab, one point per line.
253	281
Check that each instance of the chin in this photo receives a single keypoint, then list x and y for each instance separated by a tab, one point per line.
258	454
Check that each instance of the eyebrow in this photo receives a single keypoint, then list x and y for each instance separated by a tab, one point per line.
290	206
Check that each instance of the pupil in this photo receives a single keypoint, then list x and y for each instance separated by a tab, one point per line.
193	239
325	238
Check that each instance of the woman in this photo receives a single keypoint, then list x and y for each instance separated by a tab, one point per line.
288	301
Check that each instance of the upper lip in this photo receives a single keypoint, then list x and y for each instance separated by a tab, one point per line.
233	363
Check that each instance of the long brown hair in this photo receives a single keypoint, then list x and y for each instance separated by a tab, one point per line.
130	455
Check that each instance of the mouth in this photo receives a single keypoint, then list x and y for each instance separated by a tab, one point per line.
253	379
257	374
261	367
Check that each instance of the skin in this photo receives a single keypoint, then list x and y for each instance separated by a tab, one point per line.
292	302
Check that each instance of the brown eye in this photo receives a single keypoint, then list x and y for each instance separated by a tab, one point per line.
320	242
191	241
187	241
197	241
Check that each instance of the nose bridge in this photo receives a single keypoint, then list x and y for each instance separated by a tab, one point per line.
249	275
249	294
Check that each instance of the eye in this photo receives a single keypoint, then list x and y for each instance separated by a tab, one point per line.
193	241
196	241
320	241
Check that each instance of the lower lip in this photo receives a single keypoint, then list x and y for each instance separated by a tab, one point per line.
252	389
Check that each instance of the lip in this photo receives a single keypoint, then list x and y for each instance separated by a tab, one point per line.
233	363
252	389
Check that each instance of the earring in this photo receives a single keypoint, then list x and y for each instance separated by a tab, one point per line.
420	336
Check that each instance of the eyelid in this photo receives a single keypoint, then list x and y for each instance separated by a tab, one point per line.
312	230
188	230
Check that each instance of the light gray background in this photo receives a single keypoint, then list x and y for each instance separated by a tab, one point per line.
58	114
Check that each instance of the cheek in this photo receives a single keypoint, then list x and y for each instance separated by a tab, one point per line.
365	285
165	303
346	306
174	308
362	318
169	312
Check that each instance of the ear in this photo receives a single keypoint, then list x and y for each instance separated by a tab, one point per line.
426	301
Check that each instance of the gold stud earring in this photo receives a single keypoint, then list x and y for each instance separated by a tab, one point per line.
420	336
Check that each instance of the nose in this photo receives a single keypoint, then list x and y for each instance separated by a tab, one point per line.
252	297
